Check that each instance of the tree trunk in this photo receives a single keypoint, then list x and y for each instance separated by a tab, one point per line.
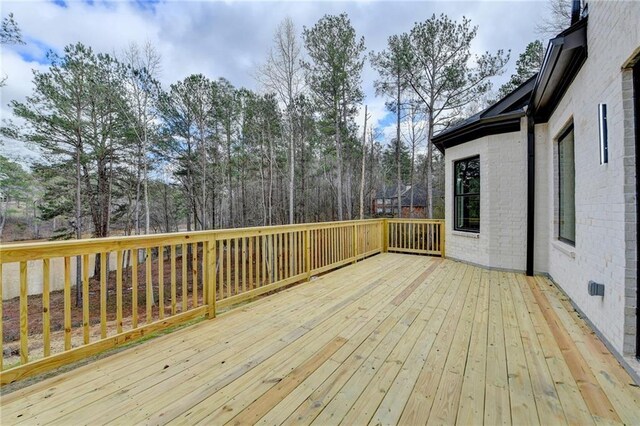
167	226
398	142
229	176
429	170
203	182
303	174
339	160
291	170
78	224
146	184
262	181
138	190
413	158
270	198
3	215
364	154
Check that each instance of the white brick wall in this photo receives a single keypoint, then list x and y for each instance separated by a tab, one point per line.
543	218
602	246
606	228
503	199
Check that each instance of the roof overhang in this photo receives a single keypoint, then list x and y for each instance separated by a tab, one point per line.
494	125
537	97
564	58
501	117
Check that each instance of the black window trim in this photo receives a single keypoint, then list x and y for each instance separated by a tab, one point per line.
455	196
565	132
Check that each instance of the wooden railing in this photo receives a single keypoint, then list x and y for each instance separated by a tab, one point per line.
416	236
147	283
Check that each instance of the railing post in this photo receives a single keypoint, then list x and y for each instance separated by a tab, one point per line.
355	242
442	238
211	277
307	252
385	235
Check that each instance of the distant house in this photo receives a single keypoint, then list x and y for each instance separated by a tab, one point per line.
546	179
385	202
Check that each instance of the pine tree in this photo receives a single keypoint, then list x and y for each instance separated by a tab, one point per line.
334	78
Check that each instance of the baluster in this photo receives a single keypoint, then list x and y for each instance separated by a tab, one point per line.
46	306
119	291
244	264
149	287
85	298
103	295
185	261
173	280
161	282
134	254
24	312
67	303
194	275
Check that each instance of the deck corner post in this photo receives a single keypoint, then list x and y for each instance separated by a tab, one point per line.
442	238
355	242
385	235
307	252
211	277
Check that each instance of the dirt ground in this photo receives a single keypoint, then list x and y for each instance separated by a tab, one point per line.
11	310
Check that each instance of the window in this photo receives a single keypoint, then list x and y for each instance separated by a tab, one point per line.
566	188
466	195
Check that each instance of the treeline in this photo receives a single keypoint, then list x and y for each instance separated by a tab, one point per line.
120	152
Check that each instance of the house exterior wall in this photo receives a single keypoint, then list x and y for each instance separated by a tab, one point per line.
605	240
606	228
543	215
501	242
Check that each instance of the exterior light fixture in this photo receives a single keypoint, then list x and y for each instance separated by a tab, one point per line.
604	138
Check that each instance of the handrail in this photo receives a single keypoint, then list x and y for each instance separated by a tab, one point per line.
151	282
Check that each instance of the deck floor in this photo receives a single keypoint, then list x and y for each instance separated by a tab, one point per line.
393	339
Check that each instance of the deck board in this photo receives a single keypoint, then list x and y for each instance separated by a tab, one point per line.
392	339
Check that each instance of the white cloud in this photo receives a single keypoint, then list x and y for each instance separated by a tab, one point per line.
229	39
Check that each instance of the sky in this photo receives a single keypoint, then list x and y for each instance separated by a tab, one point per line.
231	38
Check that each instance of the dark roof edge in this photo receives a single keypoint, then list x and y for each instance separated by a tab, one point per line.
564	58
474	126
514	96
495	125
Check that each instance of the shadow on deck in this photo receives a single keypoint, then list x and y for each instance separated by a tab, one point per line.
393	339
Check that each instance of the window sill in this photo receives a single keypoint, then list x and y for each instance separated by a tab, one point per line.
565	248
475	235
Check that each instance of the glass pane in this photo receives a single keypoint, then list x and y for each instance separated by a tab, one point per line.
467	176
472	178
467	214
567	191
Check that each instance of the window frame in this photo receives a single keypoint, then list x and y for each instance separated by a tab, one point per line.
563	135
468	194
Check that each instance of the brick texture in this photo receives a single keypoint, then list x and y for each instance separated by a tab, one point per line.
606	228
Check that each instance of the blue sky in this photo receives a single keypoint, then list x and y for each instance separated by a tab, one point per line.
231	38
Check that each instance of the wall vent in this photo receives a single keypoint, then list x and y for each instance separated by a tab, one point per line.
595	289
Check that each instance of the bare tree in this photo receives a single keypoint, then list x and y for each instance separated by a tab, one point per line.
557	20
143	69
414	136
391	65
283	75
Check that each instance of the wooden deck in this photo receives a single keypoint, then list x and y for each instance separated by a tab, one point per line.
393	339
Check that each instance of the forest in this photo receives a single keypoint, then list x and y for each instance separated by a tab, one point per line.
119	154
